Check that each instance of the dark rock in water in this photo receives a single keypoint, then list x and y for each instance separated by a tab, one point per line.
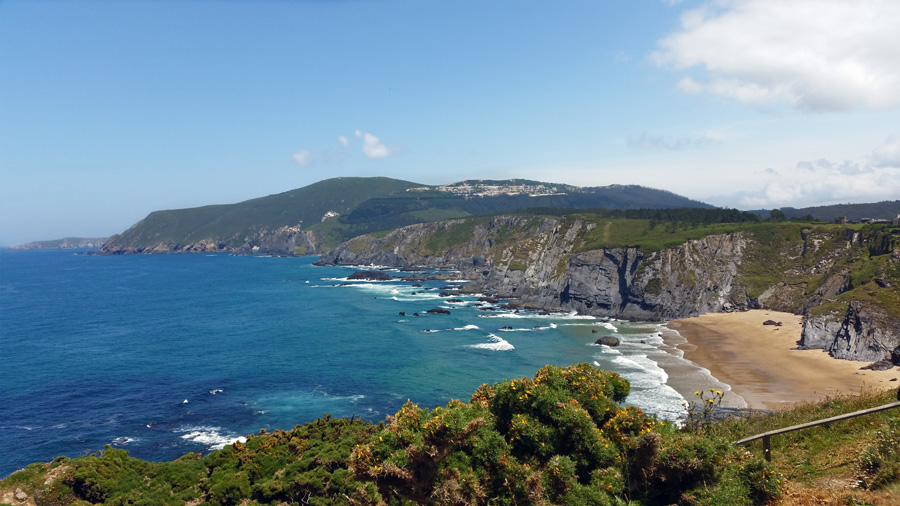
772	322
438	310
506	328
402	313
370	276
415	314
489	300
608	341
881	365
416	285
895	356
594	331
454	301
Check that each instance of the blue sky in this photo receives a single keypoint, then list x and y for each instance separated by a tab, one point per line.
112	109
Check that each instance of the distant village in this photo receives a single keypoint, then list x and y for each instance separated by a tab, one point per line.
469	189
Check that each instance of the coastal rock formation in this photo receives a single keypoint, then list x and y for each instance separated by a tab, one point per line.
865	333
282	241
564	264
542	268
64	243
370	276
608	341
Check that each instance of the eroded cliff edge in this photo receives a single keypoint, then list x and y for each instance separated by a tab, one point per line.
842	280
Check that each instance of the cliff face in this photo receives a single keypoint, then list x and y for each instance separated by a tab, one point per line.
865	332
541	269
544	263
64	243
282	241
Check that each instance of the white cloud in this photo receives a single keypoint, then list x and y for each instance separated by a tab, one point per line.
372	146
827	183
888	154
648	141
303	158
343	140
814	55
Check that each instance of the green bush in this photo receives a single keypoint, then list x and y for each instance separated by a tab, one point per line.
561	437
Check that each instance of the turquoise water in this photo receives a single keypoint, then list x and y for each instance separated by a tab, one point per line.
165	354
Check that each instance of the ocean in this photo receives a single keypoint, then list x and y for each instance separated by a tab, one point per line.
167	354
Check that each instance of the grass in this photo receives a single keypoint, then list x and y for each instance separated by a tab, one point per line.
647	234
808	458
453	235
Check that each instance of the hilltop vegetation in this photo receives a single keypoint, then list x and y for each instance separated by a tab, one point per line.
559	438
321	216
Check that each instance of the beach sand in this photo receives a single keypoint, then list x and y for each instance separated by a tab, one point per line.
760	365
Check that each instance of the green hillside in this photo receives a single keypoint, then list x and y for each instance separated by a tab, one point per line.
342	208
232	223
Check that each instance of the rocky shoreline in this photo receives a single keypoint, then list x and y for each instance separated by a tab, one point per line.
543	269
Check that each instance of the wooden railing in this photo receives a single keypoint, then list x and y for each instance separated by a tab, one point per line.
766	436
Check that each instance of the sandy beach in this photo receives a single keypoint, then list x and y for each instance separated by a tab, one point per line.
760	365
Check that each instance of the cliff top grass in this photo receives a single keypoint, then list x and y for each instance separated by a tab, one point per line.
648	234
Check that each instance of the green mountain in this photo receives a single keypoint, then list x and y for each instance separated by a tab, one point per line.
320	216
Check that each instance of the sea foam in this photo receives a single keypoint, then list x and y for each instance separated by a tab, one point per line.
211	437
496	344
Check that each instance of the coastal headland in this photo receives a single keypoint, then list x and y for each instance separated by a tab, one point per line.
761	363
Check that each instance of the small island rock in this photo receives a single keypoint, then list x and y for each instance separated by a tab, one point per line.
608	341
370	276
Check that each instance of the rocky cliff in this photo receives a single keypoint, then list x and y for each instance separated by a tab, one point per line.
553	264
281	241
65	243
539	263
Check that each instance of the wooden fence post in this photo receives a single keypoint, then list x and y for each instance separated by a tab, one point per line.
766	437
